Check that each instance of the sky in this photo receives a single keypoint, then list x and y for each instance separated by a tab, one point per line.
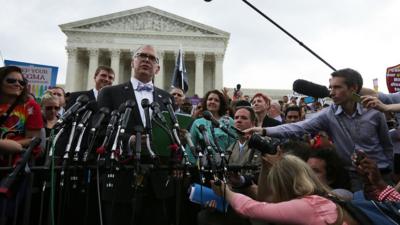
358	34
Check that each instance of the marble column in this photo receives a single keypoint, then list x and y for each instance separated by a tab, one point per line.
218	79
159	80
199	74
115	61
93	64
71	79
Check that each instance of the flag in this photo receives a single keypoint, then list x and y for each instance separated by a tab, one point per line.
179	77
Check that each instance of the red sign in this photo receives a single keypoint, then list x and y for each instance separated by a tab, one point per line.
393	79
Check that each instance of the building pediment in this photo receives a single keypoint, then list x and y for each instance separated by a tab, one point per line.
147	20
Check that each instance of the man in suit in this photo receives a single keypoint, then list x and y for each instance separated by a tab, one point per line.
150	204
104	76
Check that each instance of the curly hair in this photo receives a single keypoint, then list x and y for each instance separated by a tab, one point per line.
223	107
4	71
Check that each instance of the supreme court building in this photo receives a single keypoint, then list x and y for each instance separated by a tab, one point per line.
110	39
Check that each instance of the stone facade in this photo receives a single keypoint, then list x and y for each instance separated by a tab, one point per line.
111	39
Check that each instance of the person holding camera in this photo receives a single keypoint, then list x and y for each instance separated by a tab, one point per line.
241	155
349	124
297	197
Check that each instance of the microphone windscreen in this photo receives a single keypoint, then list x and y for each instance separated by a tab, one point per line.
104	110
92	106
207	115
310	89
82	99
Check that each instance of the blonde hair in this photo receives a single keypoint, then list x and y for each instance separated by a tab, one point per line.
291	178
47	97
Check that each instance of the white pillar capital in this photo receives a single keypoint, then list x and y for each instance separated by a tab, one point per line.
71	51
115	52
219	56
93	52
199	55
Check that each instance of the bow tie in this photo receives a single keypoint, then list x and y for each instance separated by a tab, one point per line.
144	87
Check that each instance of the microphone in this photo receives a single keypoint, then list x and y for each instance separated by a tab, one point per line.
103	112
168	103
156	110
203	132
310	89
81	100
208	116
90	108
149	136
125	118
8	182
109	131
189	141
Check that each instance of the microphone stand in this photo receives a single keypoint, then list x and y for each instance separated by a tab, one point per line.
221	153
65	161
149	133
289	34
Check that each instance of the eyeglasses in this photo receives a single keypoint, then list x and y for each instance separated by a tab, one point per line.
48	108
145	56
13	81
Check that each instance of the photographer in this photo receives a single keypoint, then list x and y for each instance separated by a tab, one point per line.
241	154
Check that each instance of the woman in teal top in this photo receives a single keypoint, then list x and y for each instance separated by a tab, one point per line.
215	102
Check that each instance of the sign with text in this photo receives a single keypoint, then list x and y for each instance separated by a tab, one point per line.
40	77
393	78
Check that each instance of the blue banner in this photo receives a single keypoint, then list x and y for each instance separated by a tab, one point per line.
40	77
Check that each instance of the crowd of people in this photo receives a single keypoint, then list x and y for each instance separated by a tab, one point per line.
293	161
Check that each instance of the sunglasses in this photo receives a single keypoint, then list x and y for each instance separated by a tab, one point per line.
13	81
145	56
48	108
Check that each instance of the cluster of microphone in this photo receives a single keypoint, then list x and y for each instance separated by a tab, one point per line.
84	120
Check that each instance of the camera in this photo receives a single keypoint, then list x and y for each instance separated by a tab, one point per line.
236	91
264	145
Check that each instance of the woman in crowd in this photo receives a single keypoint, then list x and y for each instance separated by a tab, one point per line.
261	104
214	102
298	197
20	121
21	118
50	107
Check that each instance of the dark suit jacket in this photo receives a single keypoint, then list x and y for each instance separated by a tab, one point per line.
75	95
112	97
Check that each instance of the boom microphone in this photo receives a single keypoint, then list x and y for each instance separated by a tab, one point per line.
310	89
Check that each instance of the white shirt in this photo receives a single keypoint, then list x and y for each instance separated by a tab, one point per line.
96	93
140	95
